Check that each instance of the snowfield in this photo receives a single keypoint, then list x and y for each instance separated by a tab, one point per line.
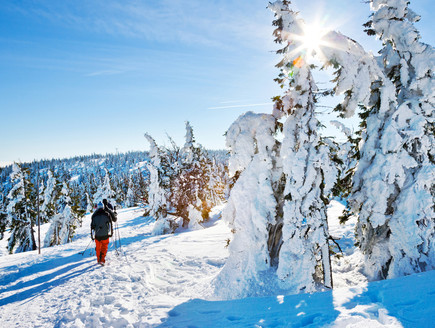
167	281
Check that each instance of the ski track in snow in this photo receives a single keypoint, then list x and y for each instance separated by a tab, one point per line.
62	288
166	281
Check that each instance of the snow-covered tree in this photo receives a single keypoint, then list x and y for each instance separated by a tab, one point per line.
192	181
3	215
218	180
49	197
157	191
130	198
141	183
89	204
20	210
308	172
345	155
394	185
277	206
180	183
252	206
76	195
65	221
105	190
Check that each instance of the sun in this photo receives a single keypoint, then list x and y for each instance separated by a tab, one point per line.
312	38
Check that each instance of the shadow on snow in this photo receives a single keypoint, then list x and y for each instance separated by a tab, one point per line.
409	299
283	311
62	268
45	282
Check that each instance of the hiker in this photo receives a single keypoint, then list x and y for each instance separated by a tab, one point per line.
101	225
107	204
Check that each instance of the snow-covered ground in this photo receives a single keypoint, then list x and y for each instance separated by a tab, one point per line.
167	281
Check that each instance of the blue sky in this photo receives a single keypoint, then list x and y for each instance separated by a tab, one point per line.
81	76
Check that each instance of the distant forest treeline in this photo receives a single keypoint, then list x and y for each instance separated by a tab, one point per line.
90	169
68	188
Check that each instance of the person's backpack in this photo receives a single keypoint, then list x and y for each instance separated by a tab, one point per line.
103	226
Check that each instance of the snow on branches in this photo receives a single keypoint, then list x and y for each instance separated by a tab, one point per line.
277	207
184	184
395	180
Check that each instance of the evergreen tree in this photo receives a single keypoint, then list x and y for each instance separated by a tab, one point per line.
251	210
303	247
141	186
3	215
66	220
179	184
89	204
130	199
218	180
157	191
105	190
192	182
76	195
277	206
21	211
345	155
394	188
50	196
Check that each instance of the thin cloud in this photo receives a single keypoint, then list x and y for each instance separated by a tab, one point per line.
233	101
211	24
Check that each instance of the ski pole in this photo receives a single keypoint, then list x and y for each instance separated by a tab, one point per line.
119	240
116	239
83	253
92	239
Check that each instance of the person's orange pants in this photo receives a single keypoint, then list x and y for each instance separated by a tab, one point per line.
101	247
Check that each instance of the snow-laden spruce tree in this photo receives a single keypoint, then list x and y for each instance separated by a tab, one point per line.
157	193
137	190
188	150
105	190
49	197
130	198
252	206
345	155
190	192
277	207
89	204
394	185
3	215
20	210
302	243
217	182
179	184
66	220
